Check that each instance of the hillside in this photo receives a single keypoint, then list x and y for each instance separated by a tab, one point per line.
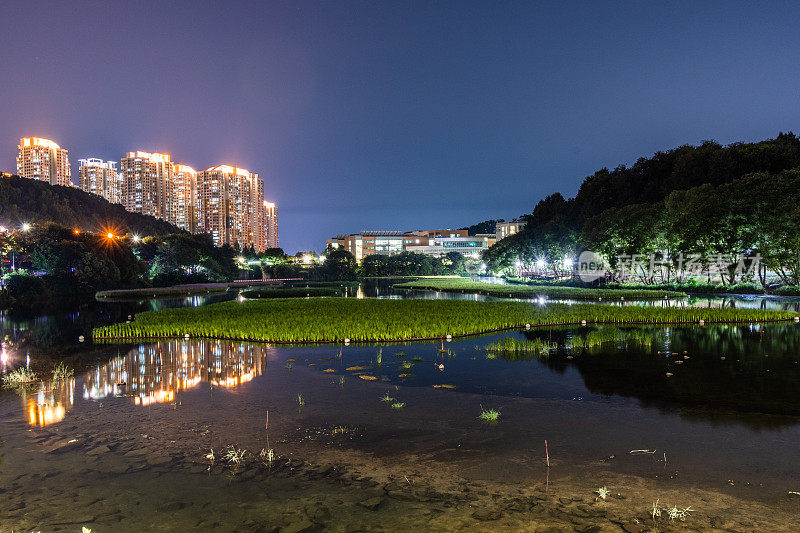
25	200
643	209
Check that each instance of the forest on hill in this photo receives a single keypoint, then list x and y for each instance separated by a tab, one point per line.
706	200
36	202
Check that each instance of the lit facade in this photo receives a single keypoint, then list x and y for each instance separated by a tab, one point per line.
270	225
43	160
231	206
100	177
147	186
506	229
183	208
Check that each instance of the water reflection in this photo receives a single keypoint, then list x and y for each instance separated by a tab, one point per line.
154	373
49	403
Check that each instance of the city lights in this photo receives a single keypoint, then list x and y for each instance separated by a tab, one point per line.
25	227
136	238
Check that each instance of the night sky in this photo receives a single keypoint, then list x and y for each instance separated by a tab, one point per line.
396	115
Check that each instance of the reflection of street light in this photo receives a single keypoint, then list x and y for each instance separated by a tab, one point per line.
26	227
76	231
136	238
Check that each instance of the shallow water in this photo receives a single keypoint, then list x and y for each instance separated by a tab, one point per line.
125	443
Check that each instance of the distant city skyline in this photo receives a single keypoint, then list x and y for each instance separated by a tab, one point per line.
393	115
223	201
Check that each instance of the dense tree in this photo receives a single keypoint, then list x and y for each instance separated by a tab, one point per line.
707	201
339	265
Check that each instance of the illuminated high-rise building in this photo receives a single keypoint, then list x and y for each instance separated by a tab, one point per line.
43	160
270	224
147	186
184	198
231	206
101	178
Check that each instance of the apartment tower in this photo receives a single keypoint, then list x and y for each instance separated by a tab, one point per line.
147	186
230	201
43	160
270	224
101	178
183	212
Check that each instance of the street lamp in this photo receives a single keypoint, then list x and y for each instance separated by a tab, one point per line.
25	227
136	238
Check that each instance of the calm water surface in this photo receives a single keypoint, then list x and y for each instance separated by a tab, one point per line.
709	412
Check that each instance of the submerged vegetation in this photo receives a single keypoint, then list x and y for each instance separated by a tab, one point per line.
512	348
533	291
295	292
336	319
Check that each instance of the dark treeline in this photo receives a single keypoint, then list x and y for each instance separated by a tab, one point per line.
694	200
25	200
341	265
51	261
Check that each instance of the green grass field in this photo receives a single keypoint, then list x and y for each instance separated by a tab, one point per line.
534	291
336	319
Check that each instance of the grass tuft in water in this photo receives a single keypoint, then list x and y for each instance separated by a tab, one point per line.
386	398
62	372
490	416
20	377
300	400
398	405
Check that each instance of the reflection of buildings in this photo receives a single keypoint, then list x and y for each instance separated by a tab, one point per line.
155	372
50	403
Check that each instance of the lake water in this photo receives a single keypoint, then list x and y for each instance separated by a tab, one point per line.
169	435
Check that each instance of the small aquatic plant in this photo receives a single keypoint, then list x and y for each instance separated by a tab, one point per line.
398	405
400	354
341	381
673	512
300	400
19	378
379	356
288	366
407	366
489	415
416	359
602	492
267	456
234	456
386	398
62	372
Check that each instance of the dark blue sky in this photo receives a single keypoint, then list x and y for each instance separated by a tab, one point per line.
396	115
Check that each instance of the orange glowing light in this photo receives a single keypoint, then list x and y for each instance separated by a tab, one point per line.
76	231
110	235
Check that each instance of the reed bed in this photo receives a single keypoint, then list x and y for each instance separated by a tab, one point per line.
534	291
287	320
